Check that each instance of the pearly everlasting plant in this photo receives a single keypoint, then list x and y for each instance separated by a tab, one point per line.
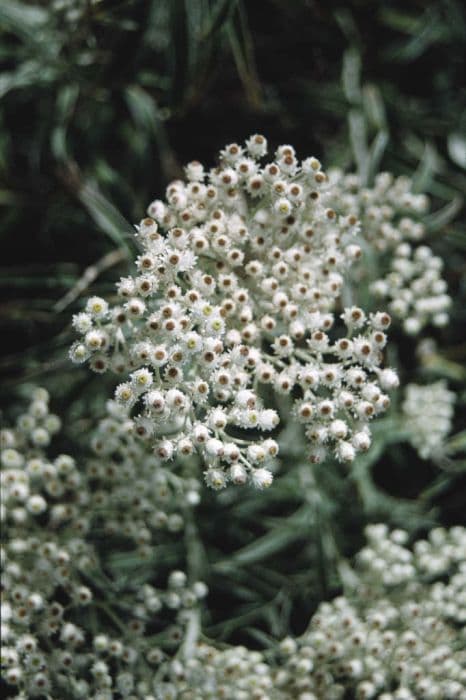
403	274
389	211
428	413
71	626
239	316
70	630
396	634
238	287
139	497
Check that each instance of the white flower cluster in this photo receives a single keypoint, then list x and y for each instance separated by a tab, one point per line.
69	629
397	635
57	592
233	673
27	480
410	279
237	286
389	211
133	495
415	289
427	416
386	561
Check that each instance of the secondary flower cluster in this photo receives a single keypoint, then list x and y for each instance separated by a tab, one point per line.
415	289
59	592
406	276
427	414
28	480
238	286
133	495
232	673
389	211
398	634
393	635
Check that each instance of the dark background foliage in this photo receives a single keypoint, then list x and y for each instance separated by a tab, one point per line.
101	103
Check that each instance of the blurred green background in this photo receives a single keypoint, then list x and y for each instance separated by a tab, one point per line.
101	104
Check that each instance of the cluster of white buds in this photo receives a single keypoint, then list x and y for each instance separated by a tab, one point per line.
238	286
30	482
139	496
56	580
406	276
427	416
414	288
390	212
396	635
387	562
44	555
233	673
392	637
